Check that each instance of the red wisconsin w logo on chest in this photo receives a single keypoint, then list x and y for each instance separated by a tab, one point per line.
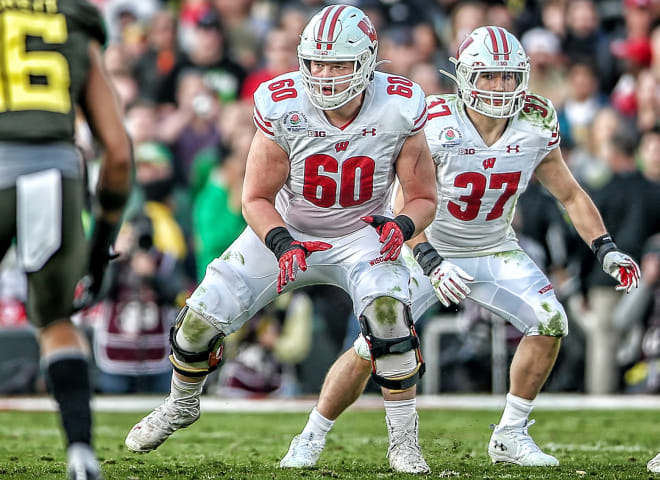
489	163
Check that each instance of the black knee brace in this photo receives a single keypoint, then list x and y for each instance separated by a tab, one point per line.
212	355
379	347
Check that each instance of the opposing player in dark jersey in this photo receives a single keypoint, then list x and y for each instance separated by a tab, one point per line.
50	61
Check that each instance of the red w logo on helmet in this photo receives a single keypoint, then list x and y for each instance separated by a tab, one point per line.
368	29
466	43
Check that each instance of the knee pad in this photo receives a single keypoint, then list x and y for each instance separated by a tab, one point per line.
389	332
196	345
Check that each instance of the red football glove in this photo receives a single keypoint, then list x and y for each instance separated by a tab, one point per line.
294	257
393	232
290	254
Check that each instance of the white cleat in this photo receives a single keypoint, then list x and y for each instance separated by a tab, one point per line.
156	427
82	463
404	451
654	464
512	444
303	452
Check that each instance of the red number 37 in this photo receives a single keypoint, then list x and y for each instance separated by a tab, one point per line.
477	184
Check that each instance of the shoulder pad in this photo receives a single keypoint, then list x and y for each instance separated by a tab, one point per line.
85	17
401	95
280	95
441	105
540	115
539	111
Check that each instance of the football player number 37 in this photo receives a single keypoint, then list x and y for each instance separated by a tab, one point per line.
477	183
19	65
356	184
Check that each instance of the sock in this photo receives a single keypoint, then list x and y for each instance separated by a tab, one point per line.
181	388
317	426
399	412
69	383
516	411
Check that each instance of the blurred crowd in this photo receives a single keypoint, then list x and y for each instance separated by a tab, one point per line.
185	72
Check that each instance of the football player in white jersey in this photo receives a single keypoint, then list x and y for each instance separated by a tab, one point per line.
487	141
330	140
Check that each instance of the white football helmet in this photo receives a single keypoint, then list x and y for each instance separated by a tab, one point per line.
339	33
491	49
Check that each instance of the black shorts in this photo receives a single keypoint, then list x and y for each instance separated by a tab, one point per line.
51	288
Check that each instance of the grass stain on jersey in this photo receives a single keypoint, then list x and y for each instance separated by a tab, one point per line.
233	257
408	259
385	308
545	117
510	255
194	327
554	327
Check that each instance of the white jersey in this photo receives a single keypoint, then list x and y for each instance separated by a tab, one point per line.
338	175
479	185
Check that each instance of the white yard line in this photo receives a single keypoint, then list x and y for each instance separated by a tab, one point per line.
140	403
595	447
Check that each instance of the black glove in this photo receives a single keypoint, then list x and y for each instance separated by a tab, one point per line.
88	290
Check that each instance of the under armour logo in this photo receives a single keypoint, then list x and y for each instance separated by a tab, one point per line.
372	132
499	445
513	148
489	163
341	146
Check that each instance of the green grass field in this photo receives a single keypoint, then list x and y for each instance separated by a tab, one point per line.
589	445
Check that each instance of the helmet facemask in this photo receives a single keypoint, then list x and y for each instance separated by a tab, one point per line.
355	82
338	33
494	104
491	49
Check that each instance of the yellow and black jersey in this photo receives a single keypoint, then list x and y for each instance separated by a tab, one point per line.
43	66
